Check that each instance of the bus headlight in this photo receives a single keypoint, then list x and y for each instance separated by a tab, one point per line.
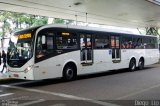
28	69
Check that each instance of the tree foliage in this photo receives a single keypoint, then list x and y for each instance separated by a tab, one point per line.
11	21
39	20
58	21
4	21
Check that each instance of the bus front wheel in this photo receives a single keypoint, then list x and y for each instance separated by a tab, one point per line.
132	65
69	73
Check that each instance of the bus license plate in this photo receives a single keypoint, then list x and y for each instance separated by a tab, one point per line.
15	75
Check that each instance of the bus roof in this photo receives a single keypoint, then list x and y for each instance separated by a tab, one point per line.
88	28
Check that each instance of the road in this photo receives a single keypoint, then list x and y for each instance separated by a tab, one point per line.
115	88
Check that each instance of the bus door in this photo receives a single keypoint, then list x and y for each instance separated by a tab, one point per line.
86	47
115	46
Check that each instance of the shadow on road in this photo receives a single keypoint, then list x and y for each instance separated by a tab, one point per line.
111	72
46	82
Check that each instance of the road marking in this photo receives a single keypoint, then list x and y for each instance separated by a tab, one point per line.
138	92
62	95
7	94
0	90
32	102
59	105
23	83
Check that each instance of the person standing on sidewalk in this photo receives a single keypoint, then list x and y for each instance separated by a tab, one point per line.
0	58
4	60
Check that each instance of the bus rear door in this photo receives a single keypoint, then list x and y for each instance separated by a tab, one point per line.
115	46
86	47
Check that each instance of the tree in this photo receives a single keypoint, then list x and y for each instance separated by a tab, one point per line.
20	20
152	31
59	21
6	27
62	21
39	20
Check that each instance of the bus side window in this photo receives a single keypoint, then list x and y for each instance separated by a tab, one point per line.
66	40
39	47
46	47
138	43
126	42
102	42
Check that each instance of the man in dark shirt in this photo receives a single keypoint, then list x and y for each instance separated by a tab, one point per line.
4	60
0	58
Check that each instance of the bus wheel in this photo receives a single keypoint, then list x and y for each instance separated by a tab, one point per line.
132	65
69	73
141	64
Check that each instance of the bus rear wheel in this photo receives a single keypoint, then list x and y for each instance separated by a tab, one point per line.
132	65
69	73
141	64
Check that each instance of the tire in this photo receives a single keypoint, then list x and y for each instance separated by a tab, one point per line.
69	73
141	64
132	65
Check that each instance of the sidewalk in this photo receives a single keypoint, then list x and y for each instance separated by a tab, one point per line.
3	75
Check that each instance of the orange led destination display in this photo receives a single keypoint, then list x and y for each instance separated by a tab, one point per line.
65	33
24	36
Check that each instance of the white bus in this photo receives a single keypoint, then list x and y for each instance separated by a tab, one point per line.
54	51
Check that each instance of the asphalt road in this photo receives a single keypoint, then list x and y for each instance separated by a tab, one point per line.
115	88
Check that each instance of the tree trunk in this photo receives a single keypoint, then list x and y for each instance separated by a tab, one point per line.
3	34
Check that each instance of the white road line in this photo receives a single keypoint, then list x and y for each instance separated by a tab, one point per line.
62	95
138	92
32	102
59	104
7	94
24	82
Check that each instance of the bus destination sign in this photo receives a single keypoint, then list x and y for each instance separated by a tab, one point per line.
24	36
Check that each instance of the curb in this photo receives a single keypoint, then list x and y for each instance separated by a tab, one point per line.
4	79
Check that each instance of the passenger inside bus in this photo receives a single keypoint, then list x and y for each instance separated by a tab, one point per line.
40	52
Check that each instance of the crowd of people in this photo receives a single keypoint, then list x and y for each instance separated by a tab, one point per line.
3	57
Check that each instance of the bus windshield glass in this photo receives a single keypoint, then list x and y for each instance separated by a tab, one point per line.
20	47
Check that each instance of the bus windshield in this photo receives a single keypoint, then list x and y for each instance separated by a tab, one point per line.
20	49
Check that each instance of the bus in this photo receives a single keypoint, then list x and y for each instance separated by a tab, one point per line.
66	51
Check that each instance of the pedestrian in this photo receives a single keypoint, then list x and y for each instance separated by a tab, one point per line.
0	58
4	60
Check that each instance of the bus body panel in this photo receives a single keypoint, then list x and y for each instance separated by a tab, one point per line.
102	63
55	65
151	56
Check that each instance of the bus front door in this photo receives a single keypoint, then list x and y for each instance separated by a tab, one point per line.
115	45
86	47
